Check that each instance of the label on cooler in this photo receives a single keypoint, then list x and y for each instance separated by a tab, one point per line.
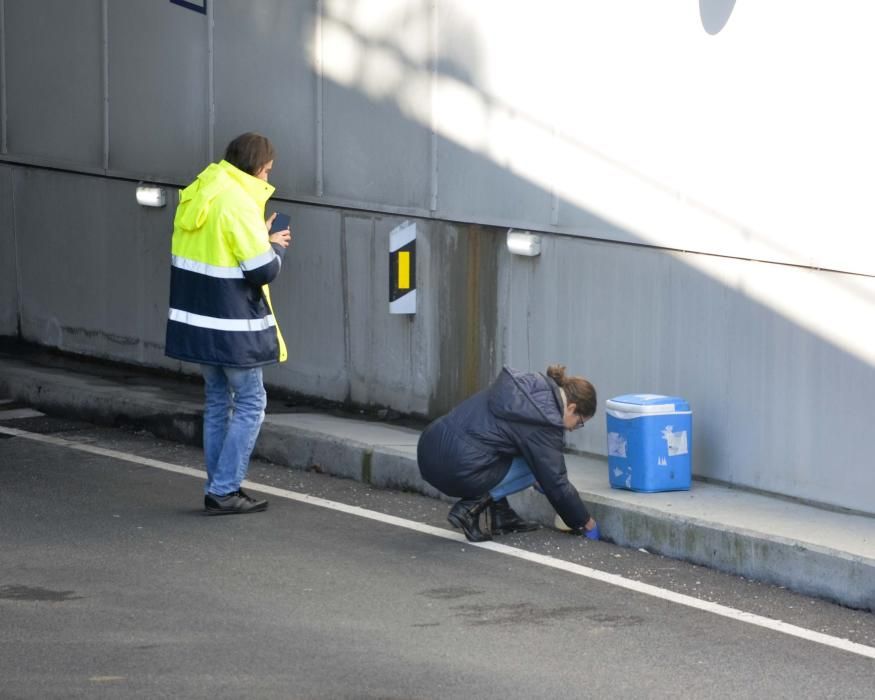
616	445
677	442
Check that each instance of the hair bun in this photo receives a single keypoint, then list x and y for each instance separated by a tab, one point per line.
557	374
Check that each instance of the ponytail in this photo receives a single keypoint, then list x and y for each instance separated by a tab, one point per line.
578	390
557	374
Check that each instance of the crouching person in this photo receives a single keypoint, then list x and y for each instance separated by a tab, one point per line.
503	440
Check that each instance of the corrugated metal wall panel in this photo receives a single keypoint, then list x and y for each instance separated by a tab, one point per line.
373	150
625	121
8	258
264	82
494	77
54	93
158	89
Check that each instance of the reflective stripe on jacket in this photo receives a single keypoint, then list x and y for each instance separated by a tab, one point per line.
220	311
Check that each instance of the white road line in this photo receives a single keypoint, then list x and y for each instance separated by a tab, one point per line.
578	569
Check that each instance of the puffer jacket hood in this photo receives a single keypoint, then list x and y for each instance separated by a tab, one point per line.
196	199
526	397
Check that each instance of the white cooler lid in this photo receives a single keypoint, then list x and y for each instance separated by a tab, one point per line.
648	403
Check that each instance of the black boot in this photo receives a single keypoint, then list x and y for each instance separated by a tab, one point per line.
504	519
465	514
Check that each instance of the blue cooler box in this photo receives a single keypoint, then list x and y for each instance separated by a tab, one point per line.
649	442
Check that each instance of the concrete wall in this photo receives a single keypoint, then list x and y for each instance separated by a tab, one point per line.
775	406
699	176
92	265
94	278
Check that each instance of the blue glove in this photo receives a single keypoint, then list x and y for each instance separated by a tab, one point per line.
593	534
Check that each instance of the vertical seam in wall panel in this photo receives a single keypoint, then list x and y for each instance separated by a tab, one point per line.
211	83
554	188
344	291
555	146
472	327
18	294
433	38
317	51
3	145
505	271
528	316
104	28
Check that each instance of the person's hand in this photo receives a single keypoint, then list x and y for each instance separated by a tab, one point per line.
592	533
283	237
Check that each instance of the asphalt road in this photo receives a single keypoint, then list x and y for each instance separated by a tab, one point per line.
114	584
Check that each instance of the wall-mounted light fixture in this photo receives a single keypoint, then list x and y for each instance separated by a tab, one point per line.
151	196
523	243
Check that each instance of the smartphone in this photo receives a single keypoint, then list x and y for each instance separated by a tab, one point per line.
280	223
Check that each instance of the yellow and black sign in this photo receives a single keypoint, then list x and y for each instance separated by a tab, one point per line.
402	269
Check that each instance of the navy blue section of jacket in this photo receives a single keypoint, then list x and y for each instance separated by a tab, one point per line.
214	296
223	298
265	274
468	451
227	348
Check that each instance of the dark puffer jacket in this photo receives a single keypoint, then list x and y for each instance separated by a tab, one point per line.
468	451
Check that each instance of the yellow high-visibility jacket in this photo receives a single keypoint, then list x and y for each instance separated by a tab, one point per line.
221	263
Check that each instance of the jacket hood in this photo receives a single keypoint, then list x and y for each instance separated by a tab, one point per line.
196	199
529	397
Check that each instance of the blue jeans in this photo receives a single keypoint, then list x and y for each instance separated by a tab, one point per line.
233	412
518	478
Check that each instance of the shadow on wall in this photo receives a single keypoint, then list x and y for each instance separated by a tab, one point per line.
378	112
487	146
692	324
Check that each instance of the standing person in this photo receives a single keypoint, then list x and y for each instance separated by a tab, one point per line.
220	317
503	440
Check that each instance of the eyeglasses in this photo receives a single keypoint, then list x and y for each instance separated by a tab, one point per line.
581	421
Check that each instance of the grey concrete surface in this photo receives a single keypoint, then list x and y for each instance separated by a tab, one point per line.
114	585
810	550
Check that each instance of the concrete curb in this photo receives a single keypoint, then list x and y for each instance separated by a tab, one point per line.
818	571
102	402
385	457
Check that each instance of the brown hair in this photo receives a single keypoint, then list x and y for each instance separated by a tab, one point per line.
249	152
577	390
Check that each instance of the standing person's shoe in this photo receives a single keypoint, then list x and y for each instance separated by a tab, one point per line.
503	519
465	514
233	503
